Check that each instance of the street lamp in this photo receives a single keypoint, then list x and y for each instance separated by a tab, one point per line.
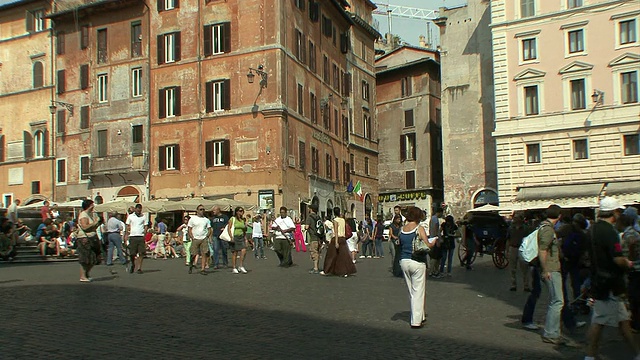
52	107
260	71
598	97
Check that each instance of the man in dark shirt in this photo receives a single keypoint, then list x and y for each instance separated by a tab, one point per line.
608	267
217	245
312	224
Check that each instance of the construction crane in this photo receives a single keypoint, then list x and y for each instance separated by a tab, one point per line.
406	12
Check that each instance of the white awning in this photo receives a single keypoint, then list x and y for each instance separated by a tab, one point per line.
565	196
627	192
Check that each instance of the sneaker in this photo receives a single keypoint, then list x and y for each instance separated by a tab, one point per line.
263	258
555	341
235	271
376	257
353	261
314	272
242	269
531	326
580	324
369	257
361	256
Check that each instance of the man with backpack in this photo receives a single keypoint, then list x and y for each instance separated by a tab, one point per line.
546	267
315	233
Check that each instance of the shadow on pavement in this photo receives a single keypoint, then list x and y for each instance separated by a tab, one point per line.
106	321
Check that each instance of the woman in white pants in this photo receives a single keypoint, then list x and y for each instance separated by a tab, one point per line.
414	267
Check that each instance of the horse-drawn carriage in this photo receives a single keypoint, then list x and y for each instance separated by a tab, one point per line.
484	233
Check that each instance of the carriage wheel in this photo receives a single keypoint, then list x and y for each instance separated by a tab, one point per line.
499	256
462	254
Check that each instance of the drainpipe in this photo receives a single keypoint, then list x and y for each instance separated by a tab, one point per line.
148	123
52	136
201	159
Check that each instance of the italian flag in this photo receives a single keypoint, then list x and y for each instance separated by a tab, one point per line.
358	191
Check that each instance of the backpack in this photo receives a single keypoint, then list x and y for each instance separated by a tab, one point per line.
529	248
348	233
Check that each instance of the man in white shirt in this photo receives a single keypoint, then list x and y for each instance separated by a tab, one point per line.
199	231
284	228
137	225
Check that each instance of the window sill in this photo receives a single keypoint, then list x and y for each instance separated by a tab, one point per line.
627	46
576	54
529	62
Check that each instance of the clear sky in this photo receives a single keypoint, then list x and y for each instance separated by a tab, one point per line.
410	29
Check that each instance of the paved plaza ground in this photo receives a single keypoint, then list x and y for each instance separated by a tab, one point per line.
270	313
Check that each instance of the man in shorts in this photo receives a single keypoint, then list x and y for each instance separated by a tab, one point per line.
199	231
137	226
608	285
312	223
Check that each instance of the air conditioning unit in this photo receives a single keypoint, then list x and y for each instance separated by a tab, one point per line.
292	161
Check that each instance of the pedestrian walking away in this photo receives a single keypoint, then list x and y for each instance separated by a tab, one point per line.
315	234
341	264
448	234
517	231
115	228
394	243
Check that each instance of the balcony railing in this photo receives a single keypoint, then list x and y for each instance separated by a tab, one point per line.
114	164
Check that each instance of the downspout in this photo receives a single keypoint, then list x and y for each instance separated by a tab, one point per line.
200	117
148	124
52	136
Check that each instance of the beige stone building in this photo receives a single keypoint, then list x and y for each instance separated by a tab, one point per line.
566	107
26	91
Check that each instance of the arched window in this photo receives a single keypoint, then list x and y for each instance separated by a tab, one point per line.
38	144
38	75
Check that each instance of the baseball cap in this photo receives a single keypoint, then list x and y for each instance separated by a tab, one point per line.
609	204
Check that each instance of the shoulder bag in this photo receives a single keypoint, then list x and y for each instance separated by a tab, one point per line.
225	232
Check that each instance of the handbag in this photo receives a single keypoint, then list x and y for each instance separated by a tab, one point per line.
419	249
225	232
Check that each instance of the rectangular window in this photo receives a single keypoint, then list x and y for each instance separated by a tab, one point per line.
313	103
527	8
533	153
170	153
408	147
628	31
574	3
326	117
352	163
300	4
218	95
365	90
84	37
346	173
327	26
35	187
336	77
580	149
337	169
102	46
366	166
60	43
366	126
531	100
312	56
217	39
61	121
136	39
325	68
408	118
300	99
406	86
164	5
529	49
168	48
84	117
578	96
103	88
61	80
302	155
218	153
300	49
328	166
336	122
136	140
84	167
169	157
61	171
170	101
576	41
136	82
84	76
410	179
345	128
39	21
629	89
632	144
102	143
314	10
315	165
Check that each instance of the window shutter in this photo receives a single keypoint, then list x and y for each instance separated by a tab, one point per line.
176	45
28	144
61	121
84	76
84	117
176	3
162	158
177	102
303	44
226	152
1	148
45	142
208	154
38	76
403	148
60	79
226	94
160	47
413	149
160	5
60	43
162	110
29	21
84	37
226	34
176	157
208	94
208	40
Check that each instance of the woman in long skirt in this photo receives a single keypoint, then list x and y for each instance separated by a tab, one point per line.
342	264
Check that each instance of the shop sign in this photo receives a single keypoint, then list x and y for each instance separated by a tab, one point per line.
403	196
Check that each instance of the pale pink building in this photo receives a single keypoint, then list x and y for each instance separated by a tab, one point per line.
566	100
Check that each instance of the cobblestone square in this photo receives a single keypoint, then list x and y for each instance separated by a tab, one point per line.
270	313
